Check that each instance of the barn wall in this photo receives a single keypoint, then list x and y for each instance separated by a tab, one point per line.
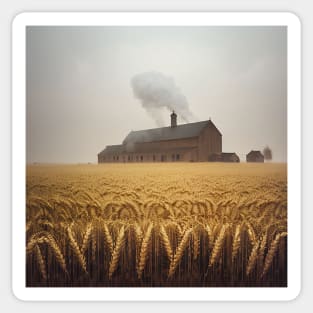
137	157
210	141
161	151
167	144
190	156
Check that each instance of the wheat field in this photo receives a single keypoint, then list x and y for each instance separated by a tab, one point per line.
156	225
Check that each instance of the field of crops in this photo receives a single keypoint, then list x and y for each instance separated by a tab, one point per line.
167	224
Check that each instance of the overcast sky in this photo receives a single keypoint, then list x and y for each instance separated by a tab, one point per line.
80	97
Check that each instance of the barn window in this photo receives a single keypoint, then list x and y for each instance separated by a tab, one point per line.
177	157
141	158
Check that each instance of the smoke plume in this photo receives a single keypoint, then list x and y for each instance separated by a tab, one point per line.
156	92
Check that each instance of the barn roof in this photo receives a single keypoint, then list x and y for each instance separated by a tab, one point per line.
113	149
169	133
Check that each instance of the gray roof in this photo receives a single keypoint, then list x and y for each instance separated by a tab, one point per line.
228	153
168	133
255	153
113	149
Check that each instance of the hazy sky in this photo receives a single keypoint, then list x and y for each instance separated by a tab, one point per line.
80	97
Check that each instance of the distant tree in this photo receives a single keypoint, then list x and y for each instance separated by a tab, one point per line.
267	152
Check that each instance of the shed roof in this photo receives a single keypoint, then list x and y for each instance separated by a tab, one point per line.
255	153
228	153
169	133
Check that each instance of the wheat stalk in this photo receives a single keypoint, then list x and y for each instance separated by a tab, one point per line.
196	244
252	258
108	238
218	244
144	250
166	243
86	238
32	243
236	242
263	246
271	253
41	262
179	252
45	237
138	233
76	249
251	233
57	252
210	235
93	245
116	252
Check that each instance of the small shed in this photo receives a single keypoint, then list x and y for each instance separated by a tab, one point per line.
230	157
255	156
224	157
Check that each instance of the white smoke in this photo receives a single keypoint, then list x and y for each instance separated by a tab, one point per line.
156	92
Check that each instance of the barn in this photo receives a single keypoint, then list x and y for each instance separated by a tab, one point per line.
255	156
191	142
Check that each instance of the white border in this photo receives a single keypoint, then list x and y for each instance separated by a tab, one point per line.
19	156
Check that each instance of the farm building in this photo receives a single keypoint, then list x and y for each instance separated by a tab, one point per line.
255	156
192	142
224	157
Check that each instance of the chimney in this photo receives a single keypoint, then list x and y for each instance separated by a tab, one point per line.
173	119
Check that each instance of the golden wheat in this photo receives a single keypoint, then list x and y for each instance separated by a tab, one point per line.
76	249
179	252
144	250
166	243
116	251
196	244
41	263
111	219
108	238
86	238
252	258
218	244
236	241
271	253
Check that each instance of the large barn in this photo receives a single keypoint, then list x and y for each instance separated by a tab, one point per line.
192	142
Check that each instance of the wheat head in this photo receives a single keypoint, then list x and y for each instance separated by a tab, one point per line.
116	252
